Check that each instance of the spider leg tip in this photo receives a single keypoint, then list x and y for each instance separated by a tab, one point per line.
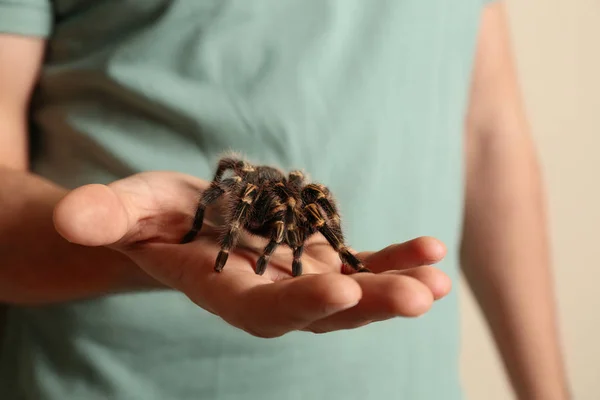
188	238
261	265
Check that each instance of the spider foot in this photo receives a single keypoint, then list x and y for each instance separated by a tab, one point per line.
296	268
261	265
189	236
221	260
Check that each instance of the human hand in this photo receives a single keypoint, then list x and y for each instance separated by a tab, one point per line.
146	215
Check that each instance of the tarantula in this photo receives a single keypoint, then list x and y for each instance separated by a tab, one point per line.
282	209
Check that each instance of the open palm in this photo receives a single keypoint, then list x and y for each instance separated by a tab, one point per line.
146	215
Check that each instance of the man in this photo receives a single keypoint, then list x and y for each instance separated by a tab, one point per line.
369	98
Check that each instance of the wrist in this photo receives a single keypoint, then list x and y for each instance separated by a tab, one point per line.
547	389
38	265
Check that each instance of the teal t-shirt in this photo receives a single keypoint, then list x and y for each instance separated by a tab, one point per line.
369	97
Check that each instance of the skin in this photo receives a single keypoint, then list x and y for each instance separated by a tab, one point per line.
101	239
124	237
505	250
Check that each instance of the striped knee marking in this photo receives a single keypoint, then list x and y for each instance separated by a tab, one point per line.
279	231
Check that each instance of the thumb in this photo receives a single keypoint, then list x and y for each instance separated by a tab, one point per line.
93	215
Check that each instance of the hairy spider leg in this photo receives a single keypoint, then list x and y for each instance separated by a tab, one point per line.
238	218
319	194
213	193
296	178
277	232
334	236
226	164
210	195
293	237
297	263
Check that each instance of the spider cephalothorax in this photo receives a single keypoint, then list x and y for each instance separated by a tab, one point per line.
266	202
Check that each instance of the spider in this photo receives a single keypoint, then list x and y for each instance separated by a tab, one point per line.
282	209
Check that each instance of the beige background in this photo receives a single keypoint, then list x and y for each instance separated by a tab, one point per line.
557	46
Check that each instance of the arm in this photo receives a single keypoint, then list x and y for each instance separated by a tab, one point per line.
143	218
38	265
505	253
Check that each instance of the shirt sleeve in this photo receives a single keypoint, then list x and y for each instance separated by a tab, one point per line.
26	17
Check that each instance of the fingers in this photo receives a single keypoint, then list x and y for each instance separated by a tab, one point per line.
242	298
404	288
436	281
273	309
413	253
384	296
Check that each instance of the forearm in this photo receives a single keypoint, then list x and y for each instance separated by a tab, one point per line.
505	254
506	260
38	265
